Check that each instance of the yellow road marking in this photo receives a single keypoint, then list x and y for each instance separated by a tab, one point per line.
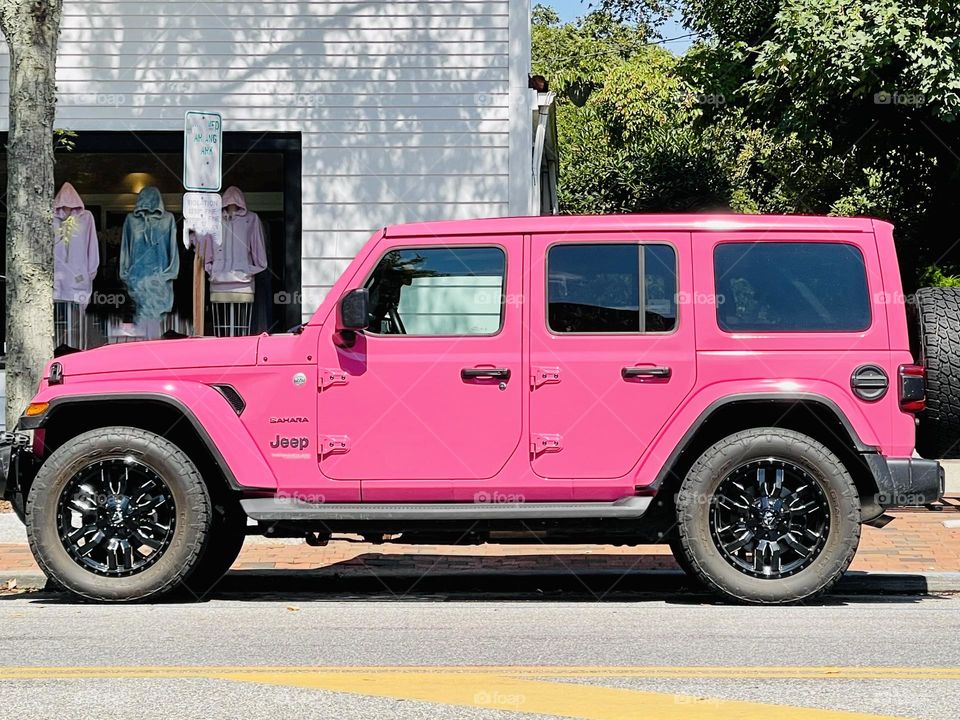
501	692
527	689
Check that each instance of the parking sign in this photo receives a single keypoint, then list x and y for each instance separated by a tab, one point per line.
202	139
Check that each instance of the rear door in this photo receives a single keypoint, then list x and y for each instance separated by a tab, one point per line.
612	352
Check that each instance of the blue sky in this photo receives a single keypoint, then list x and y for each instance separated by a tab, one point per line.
570	9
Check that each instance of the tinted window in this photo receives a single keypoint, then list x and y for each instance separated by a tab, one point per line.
597	288
437	291
780	287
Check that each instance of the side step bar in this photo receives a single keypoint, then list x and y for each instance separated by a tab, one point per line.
272	509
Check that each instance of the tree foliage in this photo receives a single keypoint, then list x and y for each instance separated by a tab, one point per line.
633	146
798	106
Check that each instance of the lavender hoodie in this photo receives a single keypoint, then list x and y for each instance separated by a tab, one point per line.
76	256
241	253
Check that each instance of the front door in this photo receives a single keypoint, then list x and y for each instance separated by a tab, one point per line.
612	352
432	391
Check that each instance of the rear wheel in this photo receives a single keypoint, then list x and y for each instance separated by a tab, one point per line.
118	514
768	516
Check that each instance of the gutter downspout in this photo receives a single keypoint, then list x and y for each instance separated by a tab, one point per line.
544	101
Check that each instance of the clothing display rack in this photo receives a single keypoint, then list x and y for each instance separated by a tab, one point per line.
232	319
70	324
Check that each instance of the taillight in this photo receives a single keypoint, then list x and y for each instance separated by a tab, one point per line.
913	388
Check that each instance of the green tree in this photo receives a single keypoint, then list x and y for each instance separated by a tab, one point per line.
633	145
857	100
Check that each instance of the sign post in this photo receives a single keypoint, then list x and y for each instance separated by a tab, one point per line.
202	178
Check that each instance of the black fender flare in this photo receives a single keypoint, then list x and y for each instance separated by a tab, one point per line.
39	421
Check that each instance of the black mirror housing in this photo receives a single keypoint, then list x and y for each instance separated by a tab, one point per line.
353	312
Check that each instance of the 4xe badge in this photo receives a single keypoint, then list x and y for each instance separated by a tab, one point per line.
297	443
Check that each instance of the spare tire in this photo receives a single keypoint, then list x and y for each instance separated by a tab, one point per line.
937	340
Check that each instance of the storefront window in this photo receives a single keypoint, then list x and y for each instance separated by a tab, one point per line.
122	270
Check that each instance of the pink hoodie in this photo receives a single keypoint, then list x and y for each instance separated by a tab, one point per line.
241	253
77	257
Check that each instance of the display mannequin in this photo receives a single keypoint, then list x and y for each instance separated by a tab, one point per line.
232	264
76	257
149	260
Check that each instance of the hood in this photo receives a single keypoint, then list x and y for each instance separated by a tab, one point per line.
234	196
149	202
66	201
161	355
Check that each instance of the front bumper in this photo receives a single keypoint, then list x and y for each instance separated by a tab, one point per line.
908	482
16	461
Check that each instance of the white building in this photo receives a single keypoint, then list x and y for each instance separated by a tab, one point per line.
339	117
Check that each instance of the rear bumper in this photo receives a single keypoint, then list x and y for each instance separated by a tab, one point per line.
908	482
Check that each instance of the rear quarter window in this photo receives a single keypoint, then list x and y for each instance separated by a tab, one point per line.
791	287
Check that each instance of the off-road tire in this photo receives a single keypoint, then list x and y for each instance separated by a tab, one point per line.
224	543
175	468
936	335
697	494
680	556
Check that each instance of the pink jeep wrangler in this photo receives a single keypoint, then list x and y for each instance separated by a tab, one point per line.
741	388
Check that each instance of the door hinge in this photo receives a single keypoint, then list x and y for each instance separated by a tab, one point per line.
330	377
546	442
544	376
333	444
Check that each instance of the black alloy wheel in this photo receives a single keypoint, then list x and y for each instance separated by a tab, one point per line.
116	517
769	518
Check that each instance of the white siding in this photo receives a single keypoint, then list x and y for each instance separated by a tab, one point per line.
408	110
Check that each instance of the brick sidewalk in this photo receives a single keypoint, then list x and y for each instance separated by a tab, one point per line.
914	542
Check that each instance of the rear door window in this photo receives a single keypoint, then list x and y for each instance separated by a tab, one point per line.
611	288
791	287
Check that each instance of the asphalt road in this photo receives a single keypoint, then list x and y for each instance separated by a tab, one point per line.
246	654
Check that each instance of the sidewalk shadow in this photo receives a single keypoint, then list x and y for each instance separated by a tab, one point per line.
389	577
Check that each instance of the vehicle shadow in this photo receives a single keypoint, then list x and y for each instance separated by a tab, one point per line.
395	577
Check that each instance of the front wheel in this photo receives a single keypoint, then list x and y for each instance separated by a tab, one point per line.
768	516
118	514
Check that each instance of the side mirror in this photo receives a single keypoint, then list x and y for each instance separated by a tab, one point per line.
353	311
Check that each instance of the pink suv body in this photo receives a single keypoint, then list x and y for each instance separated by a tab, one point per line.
555	373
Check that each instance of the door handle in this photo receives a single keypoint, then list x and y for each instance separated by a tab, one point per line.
476	373
650	371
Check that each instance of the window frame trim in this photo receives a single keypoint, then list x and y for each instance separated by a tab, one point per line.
641	264
768	331
465	246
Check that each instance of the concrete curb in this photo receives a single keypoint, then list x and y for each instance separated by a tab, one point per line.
500	585
951	471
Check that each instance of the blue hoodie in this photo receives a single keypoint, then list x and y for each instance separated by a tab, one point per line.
149	260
